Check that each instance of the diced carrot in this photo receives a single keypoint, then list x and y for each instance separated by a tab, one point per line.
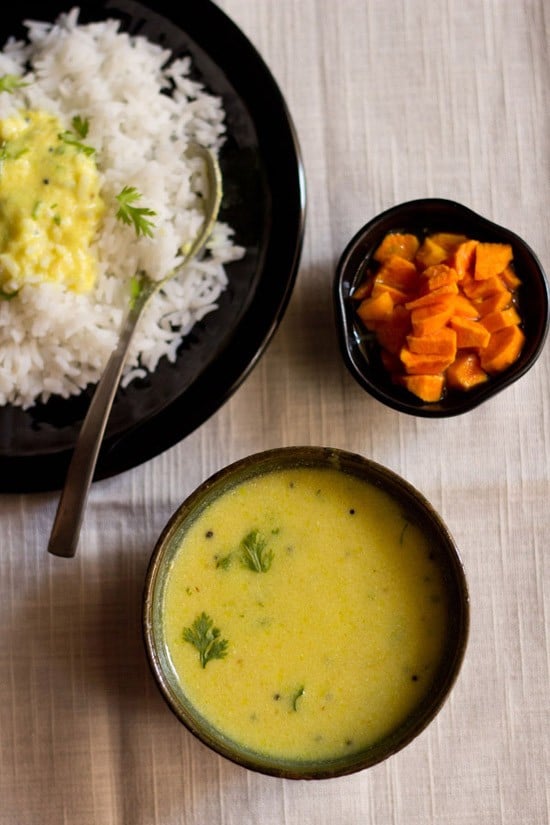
503	318
398	272
436	276
463	258
482	289
391	334
426	387
397	295
363	290
441	342
417	363
443	311
503	349
448	240
432	297
428	319
395	243
491	259
510	278
375	309
469	333
430	253
465	372
465	308
494	303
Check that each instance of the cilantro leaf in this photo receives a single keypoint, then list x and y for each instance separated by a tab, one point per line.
206	638
10	82
136	215
80	125
254	554
7	152
72	139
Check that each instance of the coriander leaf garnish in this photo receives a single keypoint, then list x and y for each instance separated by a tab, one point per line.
8	152
254	554
224	562
72	139
10	82
136	215
206	638
80	125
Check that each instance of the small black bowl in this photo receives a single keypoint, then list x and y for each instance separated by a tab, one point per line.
359	347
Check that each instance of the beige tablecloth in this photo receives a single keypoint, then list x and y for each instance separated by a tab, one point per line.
392	100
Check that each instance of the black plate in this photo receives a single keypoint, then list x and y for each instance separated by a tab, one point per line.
264	201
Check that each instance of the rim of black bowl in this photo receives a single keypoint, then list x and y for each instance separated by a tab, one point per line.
359	348
414	504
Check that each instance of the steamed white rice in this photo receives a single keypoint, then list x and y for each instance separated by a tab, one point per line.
55	341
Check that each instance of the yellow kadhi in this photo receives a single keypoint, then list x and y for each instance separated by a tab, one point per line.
324	609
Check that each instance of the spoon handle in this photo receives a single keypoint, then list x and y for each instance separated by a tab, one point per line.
70	510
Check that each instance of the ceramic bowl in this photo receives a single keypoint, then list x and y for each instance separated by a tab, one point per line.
359	347
174	653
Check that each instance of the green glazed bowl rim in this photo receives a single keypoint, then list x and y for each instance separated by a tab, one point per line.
416	506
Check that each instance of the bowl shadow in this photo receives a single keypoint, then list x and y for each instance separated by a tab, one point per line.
78	663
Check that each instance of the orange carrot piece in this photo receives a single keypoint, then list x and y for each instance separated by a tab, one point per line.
465	372
450	241
395	243
510	278
465	308
441	342
494	303
503	349
363	290
391	334
398	272
375	309
491	259
436	276
463	258
469	333
397	295
503	318
428	319
430	253
426	387
482	289
416	363
432	297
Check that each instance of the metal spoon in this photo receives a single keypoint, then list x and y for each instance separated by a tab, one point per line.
70	511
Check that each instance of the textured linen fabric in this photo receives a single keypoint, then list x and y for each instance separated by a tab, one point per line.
392	100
